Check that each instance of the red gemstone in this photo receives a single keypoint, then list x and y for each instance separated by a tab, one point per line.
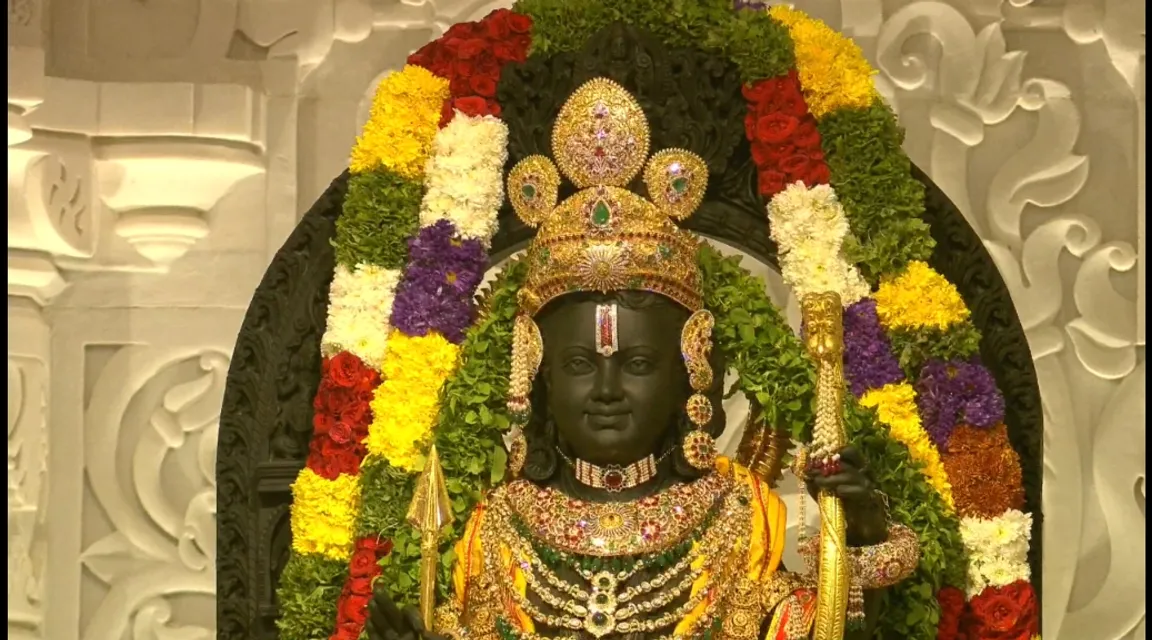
599	152
613	479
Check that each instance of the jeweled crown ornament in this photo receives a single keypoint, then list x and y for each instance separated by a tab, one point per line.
605	237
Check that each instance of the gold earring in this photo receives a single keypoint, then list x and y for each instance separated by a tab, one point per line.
527	354
517	452
696	345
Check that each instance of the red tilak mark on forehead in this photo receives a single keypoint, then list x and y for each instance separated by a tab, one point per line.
606	329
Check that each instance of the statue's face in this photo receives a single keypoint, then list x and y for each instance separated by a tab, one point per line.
617	409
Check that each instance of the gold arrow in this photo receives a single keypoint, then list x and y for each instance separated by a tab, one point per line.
430	512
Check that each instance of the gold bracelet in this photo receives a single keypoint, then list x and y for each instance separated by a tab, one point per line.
880	565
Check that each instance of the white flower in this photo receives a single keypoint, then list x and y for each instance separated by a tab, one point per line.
464	177
359	308
997	549
809	227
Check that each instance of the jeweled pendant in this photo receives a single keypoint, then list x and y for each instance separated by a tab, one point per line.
601	213
600	623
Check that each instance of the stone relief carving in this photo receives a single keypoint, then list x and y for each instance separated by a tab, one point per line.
150	457
27	469
1005	140
1052	249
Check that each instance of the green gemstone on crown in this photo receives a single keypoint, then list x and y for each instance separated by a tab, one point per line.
601	214
528	191
680	185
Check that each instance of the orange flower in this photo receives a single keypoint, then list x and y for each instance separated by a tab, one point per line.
984	471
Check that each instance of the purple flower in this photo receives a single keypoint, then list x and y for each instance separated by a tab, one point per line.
957	392
438	245
437	289
868	360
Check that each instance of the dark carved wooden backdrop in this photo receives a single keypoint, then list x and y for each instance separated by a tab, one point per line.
267	416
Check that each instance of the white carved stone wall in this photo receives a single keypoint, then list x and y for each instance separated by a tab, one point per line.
160	152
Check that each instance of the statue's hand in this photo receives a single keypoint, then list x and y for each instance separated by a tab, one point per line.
387	622
845	476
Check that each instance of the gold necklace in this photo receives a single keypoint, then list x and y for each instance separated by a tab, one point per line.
604	611
605	529
614	478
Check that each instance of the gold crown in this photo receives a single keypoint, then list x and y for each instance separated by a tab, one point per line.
605	237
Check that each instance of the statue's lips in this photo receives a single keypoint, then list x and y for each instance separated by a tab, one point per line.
607	420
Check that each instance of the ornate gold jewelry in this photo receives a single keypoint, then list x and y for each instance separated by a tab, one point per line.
614	478
605	604
607	331
605	237
517	451
635	527
696	345
877	566
527	354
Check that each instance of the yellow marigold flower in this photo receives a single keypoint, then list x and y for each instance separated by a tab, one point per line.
404	119
324	514
833	71
919	298
407	402
895	405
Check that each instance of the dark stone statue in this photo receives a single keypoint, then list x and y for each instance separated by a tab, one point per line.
616	410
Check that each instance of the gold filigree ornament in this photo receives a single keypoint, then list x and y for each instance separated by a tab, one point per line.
696	345
605	237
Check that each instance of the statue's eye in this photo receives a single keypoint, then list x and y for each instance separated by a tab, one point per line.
639	366
579	366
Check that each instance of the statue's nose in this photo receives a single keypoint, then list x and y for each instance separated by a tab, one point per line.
608	387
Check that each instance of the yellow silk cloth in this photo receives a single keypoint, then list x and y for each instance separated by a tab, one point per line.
766	546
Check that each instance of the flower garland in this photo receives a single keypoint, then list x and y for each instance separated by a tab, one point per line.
910	347
410	246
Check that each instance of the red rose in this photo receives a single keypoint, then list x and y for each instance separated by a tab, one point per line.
772	182
788	98
750	125
487	65
341	433
322	423
472	106
818	173
777	153
496	26
329	460
794	164
494	109
446	113
519	23
347	631
806	135
1002	613
775	128
483	86
471	48
757	93
360	586
459	86
357	415
951	602
354	608
460	30
503	51
345	369
463	68
363	563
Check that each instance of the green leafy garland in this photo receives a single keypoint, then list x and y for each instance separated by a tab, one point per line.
758	45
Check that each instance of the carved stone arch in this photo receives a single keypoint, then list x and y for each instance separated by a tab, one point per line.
267	416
